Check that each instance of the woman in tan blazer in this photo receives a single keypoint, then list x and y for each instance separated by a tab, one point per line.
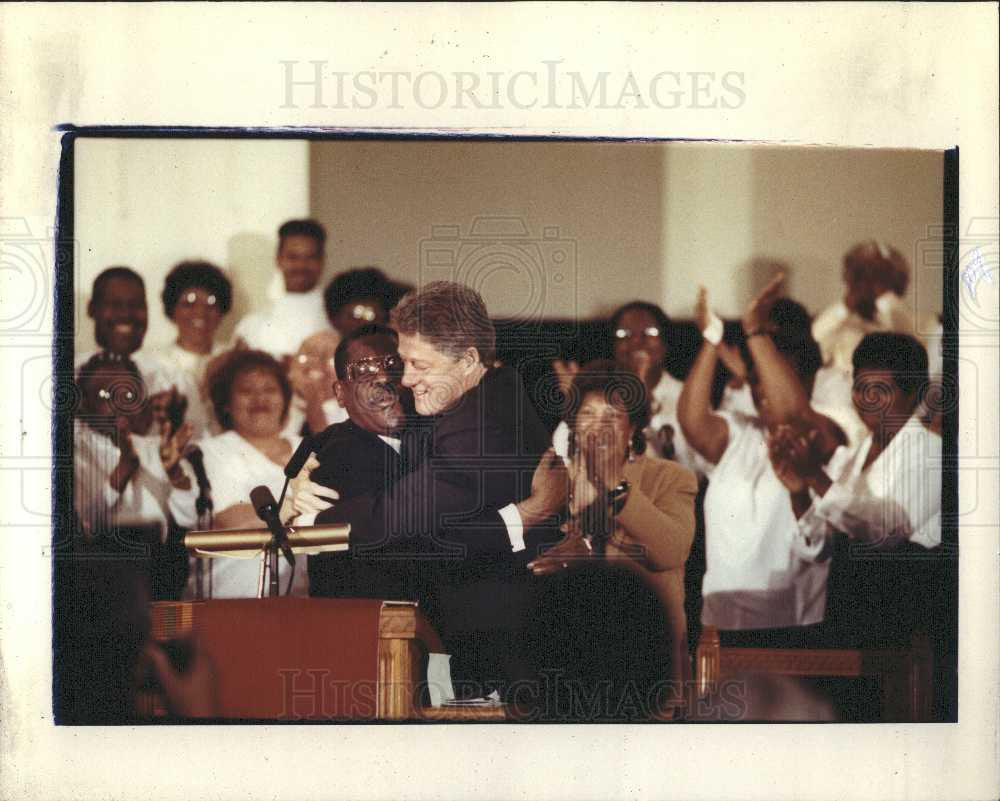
633	511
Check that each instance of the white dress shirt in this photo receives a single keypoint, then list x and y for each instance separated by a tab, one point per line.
838	330
234	467
897	498
147	498
186	370
280	329
754	577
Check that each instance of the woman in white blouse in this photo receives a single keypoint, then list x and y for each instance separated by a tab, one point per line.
754	578
250	395
886	490
196	296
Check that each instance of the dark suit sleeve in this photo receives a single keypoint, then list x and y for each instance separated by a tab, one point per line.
448	505
438	508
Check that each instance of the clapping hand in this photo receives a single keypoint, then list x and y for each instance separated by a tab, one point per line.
128	461
792	453
756	316
565	374
603	460
584	491
701	316
570	551
172	444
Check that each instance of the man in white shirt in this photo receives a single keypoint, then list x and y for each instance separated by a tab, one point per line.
296	309
118	308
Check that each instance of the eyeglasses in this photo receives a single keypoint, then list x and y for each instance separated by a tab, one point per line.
121	397
626	333
363	312
191	298
373	366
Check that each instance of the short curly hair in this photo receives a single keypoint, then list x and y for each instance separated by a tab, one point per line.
360	282
900	354
618	386
199	274
220	382
451	316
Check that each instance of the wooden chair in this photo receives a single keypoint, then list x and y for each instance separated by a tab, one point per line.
904	675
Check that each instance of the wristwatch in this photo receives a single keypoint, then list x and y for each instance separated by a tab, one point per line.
618	496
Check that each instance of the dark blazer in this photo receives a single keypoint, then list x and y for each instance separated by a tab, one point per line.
356	462
442	516
463	466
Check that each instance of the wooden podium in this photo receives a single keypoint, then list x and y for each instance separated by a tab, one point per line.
288	659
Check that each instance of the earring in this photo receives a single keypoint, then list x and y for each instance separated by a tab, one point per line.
629	452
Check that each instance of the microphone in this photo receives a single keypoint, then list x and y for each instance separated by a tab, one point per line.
300	456
267	510
197	461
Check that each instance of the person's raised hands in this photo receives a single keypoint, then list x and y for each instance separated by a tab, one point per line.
565	373
755	318
172	444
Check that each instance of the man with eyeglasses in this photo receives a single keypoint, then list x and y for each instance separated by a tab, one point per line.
360	456
461	510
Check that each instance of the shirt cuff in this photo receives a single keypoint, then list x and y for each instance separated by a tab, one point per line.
515	526
827	506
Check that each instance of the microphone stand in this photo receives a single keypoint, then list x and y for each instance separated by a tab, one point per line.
268	511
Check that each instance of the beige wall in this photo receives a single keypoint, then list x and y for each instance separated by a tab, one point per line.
583	220
812	204
151	203
647	221
586	226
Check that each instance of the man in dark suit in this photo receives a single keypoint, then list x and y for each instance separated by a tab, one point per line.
361	456
466	502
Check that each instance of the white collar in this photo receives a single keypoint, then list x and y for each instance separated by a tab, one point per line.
392	442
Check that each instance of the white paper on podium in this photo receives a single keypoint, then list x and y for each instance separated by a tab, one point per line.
439	679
